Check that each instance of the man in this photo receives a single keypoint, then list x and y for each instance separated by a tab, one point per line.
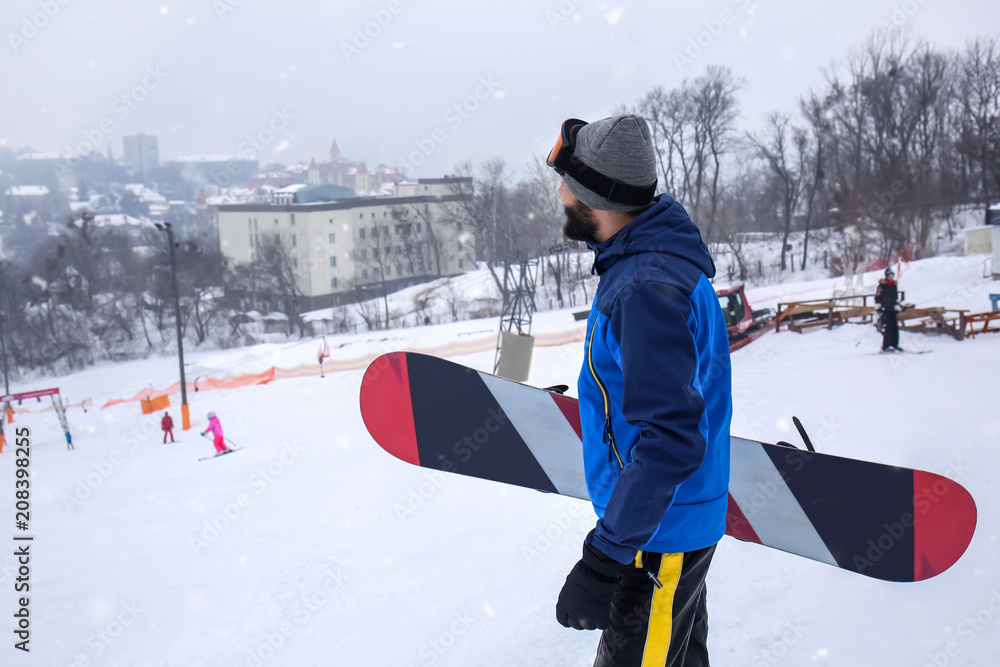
655	404
886	296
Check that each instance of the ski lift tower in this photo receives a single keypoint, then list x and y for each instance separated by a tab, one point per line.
515	342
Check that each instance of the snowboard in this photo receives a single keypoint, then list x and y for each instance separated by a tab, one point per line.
882	521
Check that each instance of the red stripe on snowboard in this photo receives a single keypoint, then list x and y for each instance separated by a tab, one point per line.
386	407
571	411
944	522
737	525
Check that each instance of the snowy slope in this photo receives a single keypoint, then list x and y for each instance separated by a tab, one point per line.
313	547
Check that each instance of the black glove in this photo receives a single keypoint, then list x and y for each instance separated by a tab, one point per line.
585	599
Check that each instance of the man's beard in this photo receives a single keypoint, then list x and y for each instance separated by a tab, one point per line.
580	225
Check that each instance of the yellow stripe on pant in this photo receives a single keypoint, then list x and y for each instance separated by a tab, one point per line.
661	612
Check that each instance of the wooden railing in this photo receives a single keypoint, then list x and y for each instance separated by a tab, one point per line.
802	315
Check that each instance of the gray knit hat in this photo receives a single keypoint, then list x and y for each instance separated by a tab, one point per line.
618	147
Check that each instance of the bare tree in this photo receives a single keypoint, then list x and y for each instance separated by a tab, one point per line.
782	148
979	126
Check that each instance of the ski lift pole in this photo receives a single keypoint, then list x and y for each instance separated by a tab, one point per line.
185	414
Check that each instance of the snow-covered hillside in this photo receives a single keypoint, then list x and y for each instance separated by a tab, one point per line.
311	546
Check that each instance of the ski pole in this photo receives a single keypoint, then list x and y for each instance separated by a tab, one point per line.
862	337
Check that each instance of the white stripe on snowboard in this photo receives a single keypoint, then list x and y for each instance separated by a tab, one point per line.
543	427
782	524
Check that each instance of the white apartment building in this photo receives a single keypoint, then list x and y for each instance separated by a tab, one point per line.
343	249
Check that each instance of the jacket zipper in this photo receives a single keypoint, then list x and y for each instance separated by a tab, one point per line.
608	437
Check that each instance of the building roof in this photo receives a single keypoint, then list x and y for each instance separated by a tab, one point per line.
220	157
28	191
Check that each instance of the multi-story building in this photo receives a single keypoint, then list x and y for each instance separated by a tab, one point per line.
142	153
343	248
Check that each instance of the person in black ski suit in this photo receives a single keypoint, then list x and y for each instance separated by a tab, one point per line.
886	297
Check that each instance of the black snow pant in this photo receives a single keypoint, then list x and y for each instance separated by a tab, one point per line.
665	626
890	329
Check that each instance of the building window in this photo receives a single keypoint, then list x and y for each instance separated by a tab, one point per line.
375	253
361	232
459	245
295	240
364	274
333	261
420	226
333	283
331	221
374	232
331	238
364	254
275	221
295	262
293	218
388	270
399	269
385	229
461	264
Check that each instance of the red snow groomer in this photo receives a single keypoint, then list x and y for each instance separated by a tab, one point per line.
743	324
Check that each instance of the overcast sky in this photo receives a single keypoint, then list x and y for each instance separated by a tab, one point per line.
427	83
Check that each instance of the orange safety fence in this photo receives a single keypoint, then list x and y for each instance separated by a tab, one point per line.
452	349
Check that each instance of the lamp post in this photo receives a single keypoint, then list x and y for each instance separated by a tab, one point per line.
185	414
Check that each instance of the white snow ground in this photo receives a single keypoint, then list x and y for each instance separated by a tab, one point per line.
314	547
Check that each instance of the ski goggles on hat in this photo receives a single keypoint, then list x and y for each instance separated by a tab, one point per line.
562	158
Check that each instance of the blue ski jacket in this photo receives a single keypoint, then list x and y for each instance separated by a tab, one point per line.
655	390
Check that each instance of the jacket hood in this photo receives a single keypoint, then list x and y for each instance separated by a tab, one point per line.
664	227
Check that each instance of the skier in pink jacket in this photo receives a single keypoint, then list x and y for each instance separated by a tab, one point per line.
216	429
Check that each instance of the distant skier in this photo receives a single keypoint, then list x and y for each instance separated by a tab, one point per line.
216	429
167	426
887	296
